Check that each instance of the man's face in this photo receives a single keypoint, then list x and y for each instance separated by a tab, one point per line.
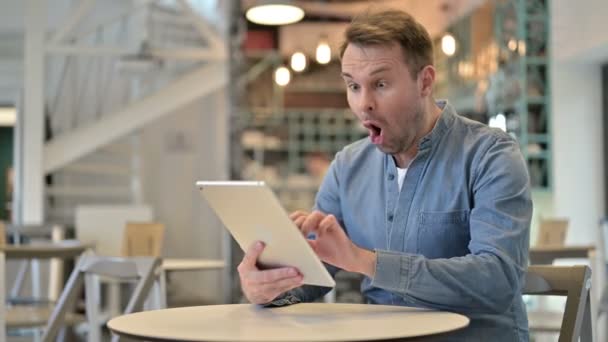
384	96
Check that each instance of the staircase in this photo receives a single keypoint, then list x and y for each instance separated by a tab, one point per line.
106	83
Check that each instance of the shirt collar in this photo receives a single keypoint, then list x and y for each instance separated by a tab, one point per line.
444	122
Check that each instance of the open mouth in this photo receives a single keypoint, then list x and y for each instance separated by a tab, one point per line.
375	132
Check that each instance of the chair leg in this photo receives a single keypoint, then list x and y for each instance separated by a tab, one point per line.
161	288
92	299
18	284
66	300
586	330
35	278
37	335
114	295
2	299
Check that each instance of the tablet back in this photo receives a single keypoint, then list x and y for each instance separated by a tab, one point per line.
251	212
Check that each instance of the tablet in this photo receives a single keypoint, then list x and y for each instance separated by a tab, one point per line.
251	212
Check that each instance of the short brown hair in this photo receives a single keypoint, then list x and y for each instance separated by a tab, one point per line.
392	26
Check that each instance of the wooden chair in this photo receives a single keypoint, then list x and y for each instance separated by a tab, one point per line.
146	239
143	239
2	234
573	282
552	232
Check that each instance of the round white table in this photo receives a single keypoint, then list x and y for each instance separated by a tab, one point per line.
312	322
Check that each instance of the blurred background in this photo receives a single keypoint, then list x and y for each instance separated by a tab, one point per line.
127	103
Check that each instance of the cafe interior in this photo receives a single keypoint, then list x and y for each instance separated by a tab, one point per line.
112	110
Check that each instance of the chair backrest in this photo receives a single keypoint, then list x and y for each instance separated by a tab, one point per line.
2	234
103	225
574	282
140	268
552	232
143	239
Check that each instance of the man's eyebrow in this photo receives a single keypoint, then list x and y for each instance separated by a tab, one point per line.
345	74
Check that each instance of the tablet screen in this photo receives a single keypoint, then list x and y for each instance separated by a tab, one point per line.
251	212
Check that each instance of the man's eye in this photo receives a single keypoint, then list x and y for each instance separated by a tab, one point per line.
381	84
353	86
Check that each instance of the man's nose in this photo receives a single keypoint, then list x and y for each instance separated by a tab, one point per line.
368	103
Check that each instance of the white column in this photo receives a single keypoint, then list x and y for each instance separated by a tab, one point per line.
32	129
577	148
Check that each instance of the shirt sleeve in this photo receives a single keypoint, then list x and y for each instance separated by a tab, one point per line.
488	279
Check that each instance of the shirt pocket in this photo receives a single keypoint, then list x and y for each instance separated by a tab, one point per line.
443	234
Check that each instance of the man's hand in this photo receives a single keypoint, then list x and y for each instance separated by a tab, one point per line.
262	286
331	243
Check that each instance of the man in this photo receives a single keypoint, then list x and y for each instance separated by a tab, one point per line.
434	209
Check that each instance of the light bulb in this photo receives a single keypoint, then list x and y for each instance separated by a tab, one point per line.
323	54
298	61
521	45
8	116
499	121
282	76
273	14
448	44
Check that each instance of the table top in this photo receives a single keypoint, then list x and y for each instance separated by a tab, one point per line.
33	230
312	322
63	249
570	248
547	254
183	264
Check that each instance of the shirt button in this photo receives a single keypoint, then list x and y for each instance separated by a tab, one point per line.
390	217
391	176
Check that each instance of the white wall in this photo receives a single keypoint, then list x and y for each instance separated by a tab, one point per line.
577	145
579	29
577	41
191	144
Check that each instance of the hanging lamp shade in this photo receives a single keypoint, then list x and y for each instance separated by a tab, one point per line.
274	13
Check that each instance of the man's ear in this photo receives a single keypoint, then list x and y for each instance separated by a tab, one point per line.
426	79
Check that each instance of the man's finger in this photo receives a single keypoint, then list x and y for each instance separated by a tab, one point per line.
298	221
251	256
311	223
285	285
297	214
273	275
328	223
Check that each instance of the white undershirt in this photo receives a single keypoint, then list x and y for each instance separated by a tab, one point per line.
400	176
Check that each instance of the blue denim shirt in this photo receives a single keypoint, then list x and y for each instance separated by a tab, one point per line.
454	238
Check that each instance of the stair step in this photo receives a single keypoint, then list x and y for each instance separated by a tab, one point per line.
97	168
101	191
121	149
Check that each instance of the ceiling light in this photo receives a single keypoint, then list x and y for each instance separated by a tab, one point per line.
521	46
298	61
274	13
8	116
323	54
448	44
282	76
499	121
